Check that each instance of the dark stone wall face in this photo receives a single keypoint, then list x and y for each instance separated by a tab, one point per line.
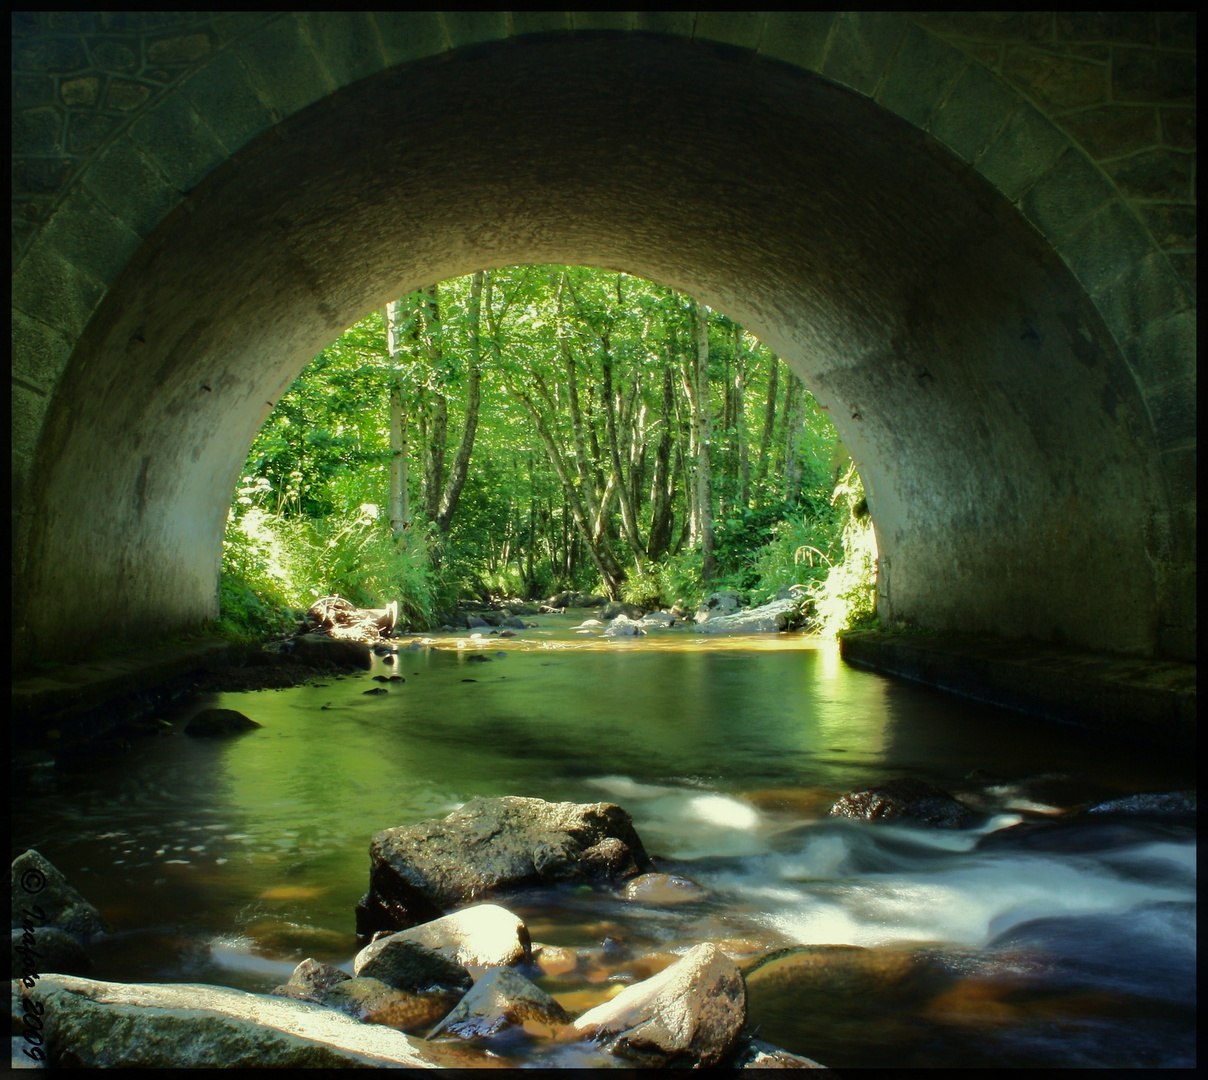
999	311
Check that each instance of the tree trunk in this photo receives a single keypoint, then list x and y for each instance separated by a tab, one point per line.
769	423
400	508
792	427
628	513
704	436
660	489
740	421
461	460
438	413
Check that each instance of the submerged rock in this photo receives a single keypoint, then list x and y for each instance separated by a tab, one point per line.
905	800
663	889
318	650
689	1014
503	998
212	723
310	981
491	847
90	1024
1168	804
372	1001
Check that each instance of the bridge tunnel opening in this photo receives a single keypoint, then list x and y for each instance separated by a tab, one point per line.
1000	436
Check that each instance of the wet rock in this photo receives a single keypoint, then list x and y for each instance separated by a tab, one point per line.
484	935
778	615
690	1014
478	658
662	889
1169	804
408	965
90	1024
376	690
905	800
317	650
617	607
803	978
473	622
503	998
761	1055
491	847
717	605
555	959
213	723
1075	834
623	626
588	624
43	898
310	981
514	622
45	949
372	1001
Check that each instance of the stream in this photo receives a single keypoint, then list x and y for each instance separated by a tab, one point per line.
228	861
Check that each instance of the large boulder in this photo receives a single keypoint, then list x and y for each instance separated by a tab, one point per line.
503	998
778	615
618	607
48	949
622	626
491	847
690	1014
319	650
717	605
213	723
480	936
42	897
100	1025
906	800
408	965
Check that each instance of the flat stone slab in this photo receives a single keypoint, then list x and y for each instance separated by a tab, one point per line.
1145	700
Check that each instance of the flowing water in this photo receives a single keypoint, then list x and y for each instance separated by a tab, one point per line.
227	861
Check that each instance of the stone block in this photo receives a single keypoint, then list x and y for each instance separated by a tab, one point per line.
664	22
346	43
973	113
540	22
179	48
1178	128
90	237
40	352
1164	352
474	27
1066	195
988	25
1185	263
130	185
1054	81
602	20
1022	152
225	97
281	59
30	91
410	35
797	37
1153	75
1105	246
1154	174
1118	27
1113	130
83	90
232	26
1176	29
87	131
1173	227
34	176
742	29
180	141
920	76
52	290
1173	409
1144	294
862	44
54	55
111	55
38	131
126	96
147	22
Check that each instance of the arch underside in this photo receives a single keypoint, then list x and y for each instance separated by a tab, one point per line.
1004	445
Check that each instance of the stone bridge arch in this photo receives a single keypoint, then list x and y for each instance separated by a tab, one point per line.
1000	324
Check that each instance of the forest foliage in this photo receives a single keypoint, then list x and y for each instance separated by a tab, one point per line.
525	430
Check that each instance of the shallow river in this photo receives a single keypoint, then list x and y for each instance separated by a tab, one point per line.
229	861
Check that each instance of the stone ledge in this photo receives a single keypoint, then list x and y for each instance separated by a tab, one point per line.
1151	701
65	694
